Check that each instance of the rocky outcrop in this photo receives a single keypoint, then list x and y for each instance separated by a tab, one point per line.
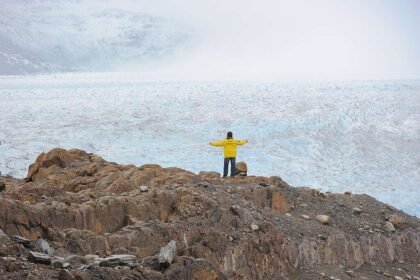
109	220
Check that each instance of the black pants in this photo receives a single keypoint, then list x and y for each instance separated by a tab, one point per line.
232	167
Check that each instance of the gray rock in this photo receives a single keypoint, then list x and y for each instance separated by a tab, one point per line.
357	210
58	262
116	260
350	273
152	262
389	226
75	260
39	257
42	246
167	253
323	219
4	238
21	240
144	188
254	227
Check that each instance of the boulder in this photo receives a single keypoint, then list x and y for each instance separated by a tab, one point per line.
397	220
22	240
42	246
241	168
389	226
167	254
39	257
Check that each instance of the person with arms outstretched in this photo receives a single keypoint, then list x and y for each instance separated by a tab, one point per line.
229	149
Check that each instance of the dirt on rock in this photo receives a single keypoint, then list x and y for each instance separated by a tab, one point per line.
111	221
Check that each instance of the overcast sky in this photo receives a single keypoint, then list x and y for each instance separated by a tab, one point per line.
281	40
343	39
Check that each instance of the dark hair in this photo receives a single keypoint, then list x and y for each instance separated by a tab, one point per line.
229	135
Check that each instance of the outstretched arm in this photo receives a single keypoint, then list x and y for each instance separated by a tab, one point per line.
217	143
241	142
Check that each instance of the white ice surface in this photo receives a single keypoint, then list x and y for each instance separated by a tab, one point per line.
357	136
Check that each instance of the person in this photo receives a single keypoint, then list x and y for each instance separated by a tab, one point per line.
229	150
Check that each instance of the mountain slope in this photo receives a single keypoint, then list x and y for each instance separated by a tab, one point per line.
70	36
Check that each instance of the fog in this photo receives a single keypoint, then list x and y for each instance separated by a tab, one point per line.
300	39
276	40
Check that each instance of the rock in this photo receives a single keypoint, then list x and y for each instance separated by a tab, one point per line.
57	262
209	174
64	274
348	193
278	181
357	210
350	273
144	188
2	186
42	246
254	227
386	274
167	254
75	260
241	168
397	220
152	262
397	277
22	240
4	238
119	260
408	276
39	257
279	202
323	219
306	217
389	226
92	206
416	278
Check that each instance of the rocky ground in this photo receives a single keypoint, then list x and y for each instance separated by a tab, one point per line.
77	216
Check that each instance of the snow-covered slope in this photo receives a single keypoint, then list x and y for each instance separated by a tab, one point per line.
358	136
50	36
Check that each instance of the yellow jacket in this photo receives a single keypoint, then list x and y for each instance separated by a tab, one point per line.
229	146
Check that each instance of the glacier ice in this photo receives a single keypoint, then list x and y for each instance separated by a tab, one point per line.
337	136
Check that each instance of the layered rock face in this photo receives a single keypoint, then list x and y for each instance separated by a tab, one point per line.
236	228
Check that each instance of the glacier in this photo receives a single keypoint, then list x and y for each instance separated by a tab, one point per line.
361	136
